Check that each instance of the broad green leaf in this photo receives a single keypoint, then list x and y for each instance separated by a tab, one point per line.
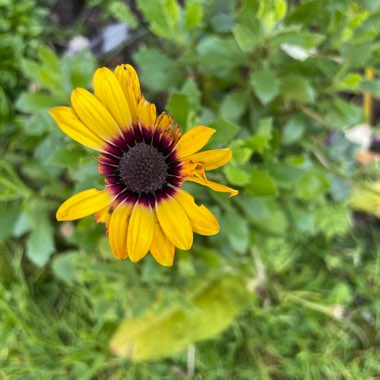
11	186
285	175
233	105
372	87
293	130
219	55
65	266
163	17
351	82
236	175
122	12
33	102
157	71
190	88
9	213
264	213
260	141
77	71
178	106
225	132
65	157
246	38
357	54
261	184
312	185
193	14
297	88
157	335
265	84
40	242
240	152
237	230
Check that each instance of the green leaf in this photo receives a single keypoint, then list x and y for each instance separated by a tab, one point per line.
236	176
9	213
219	55
163	17
40	242
65	157
295	87
190	88
193	14
237	230
293	130
11	186
32	102
246	38
77	71
261	184
357	54
233	105
372	87
159	72
65	266
157	335
265	84
225	132
178	106
260	141
122	12
312	185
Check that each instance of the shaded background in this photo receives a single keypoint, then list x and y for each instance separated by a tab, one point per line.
289	289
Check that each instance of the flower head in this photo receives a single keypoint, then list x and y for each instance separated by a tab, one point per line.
144	160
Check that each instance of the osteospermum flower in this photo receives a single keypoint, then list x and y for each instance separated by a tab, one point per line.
144	160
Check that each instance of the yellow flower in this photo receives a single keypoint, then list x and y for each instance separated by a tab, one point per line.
144	161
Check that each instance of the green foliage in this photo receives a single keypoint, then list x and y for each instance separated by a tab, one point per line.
288	289
21	24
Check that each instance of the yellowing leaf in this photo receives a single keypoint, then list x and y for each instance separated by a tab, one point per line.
154	336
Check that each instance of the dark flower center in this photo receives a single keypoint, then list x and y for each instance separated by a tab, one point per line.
143	169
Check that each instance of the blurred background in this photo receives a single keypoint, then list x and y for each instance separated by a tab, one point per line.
290	287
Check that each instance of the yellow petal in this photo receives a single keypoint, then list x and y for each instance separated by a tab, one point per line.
94	114
163	122
214	186
201	218
162	249
146	113
109	92
129	81
103	216
175	223
83	204
118	229
212	159
194	140
140	231
68	121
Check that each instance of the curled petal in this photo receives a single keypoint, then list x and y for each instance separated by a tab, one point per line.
214	186
201	218
146	113
212	159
